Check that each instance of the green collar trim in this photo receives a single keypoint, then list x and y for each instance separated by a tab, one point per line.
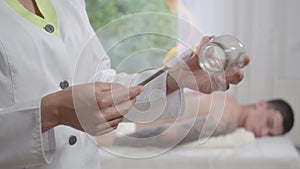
45	8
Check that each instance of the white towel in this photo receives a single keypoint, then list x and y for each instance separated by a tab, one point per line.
239	138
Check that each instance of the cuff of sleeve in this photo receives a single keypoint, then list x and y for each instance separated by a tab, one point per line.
21	140
45	140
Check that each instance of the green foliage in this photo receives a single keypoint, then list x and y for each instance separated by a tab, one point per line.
137	53
102	12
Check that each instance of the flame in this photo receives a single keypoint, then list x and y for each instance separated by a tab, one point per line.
172	5
177	7
172	53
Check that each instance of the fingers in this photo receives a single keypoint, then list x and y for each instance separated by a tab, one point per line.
193	62
236	77
203	41
112	116
107	86
124	94
107	120
246	61
119	110
117	95
108	126
113	101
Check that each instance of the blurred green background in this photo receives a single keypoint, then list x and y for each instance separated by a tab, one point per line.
138	53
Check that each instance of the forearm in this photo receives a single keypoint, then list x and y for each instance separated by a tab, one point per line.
172	84
48	119
147	137
175	134
181	76
164	135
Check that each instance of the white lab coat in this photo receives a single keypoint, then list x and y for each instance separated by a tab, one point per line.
33	62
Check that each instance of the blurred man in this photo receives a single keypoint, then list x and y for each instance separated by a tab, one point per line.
265	118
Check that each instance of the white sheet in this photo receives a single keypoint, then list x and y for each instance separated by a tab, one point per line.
238	138
263	153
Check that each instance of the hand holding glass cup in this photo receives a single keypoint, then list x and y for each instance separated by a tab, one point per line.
222	56
222	53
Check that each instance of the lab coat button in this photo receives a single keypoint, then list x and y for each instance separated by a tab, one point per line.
72	140
64	84
49	28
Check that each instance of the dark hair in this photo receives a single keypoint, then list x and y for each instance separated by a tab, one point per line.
286	111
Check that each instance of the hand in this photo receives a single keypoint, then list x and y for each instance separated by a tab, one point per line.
96	108
189	74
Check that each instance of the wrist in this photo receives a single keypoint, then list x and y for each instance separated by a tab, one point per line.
172	83
49	115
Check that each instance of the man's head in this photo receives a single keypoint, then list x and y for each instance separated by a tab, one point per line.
273	117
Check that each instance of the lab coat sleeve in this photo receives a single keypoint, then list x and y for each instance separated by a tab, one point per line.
152	102
22	143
